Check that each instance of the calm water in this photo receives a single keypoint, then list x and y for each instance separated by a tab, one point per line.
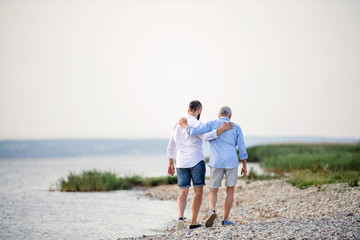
29	211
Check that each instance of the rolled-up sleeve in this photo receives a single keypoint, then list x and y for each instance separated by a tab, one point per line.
171	148
241	145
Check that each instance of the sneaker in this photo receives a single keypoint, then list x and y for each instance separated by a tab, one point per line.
210	219
227	223
180	224
194	226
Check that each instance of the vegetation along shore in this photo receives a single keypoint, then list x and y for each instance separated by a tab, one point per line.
308	191
310	164
90	181
303	165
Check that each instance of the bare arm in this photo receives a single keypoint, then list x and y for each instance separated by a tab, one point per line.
242	152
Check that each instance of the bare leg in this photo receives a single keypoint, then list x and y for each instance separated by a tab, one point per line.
228	202
213	198
181	201
196	204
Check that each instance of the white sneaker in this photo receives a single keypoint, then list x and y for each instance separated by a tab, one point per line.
180	224
210	219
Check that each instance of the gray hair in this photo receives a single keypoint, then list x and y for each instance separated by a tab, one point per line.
225	112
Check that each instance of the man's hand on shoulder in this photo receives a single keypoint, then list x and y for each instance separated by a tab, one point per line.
224	127
227	126
183	122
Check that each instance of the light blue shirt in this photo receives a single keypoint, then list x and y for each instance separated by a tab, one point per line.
223	149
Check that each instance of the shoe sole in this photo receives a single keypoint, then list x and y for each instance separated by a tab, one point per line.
194	227
210	220
180	225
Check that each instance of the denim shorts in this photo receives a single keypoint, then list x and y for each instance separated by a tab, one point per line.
195	173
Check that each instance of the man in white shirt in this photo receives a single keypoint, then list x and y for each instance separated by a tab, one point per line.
223	161
190	162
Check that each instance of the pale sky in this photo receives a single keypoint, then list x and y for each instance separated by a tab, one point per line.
128	69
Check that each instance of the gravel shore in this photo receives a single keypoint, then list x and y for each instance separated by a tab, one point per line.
273	209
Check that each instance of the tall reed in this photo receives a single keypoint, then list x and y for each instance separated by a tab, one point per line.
94	180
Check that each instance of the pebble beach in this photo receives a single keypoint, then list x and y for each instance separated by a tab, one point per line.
272	210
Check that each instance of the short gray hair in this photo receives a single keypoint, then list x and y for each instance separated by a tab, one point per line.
225	112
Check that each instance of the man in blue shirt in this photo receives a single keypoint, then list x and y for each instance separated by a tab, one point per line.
190	162
223	161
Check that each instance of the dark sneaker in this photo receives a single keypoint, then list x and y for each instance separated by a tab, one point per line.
194	226
210	219
180	224
227	223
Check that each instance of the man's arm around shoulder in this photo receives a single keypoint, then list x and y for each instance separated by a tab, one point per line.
204	128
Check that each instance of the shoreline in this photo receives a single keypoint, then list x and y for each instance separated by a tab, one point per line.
271	209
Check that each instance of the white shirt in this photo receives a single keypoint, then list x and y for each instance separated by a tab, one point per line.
189	148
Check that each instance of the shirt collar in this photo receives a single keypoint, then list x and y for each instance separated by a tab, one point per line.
226	118
191	116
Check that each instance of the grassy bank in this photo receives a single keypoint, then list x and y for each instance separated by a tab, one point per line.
94	180
305	164
307	178
311	164
288	157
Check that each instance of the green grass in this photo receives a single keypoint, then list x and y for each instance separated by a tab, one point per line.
94	180
308	164
311	164
289	157
307	178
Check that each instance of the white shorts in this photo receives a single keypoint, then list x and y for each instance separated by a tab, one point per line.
217	174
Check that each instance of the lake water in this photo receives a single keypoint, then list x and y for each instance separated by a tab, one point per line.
29	210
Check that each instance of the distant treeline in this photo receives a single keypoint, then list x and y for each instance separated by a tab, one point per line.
81	147
103	147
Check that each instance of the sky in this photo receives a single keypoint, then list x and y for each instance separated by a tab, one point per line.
128	69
